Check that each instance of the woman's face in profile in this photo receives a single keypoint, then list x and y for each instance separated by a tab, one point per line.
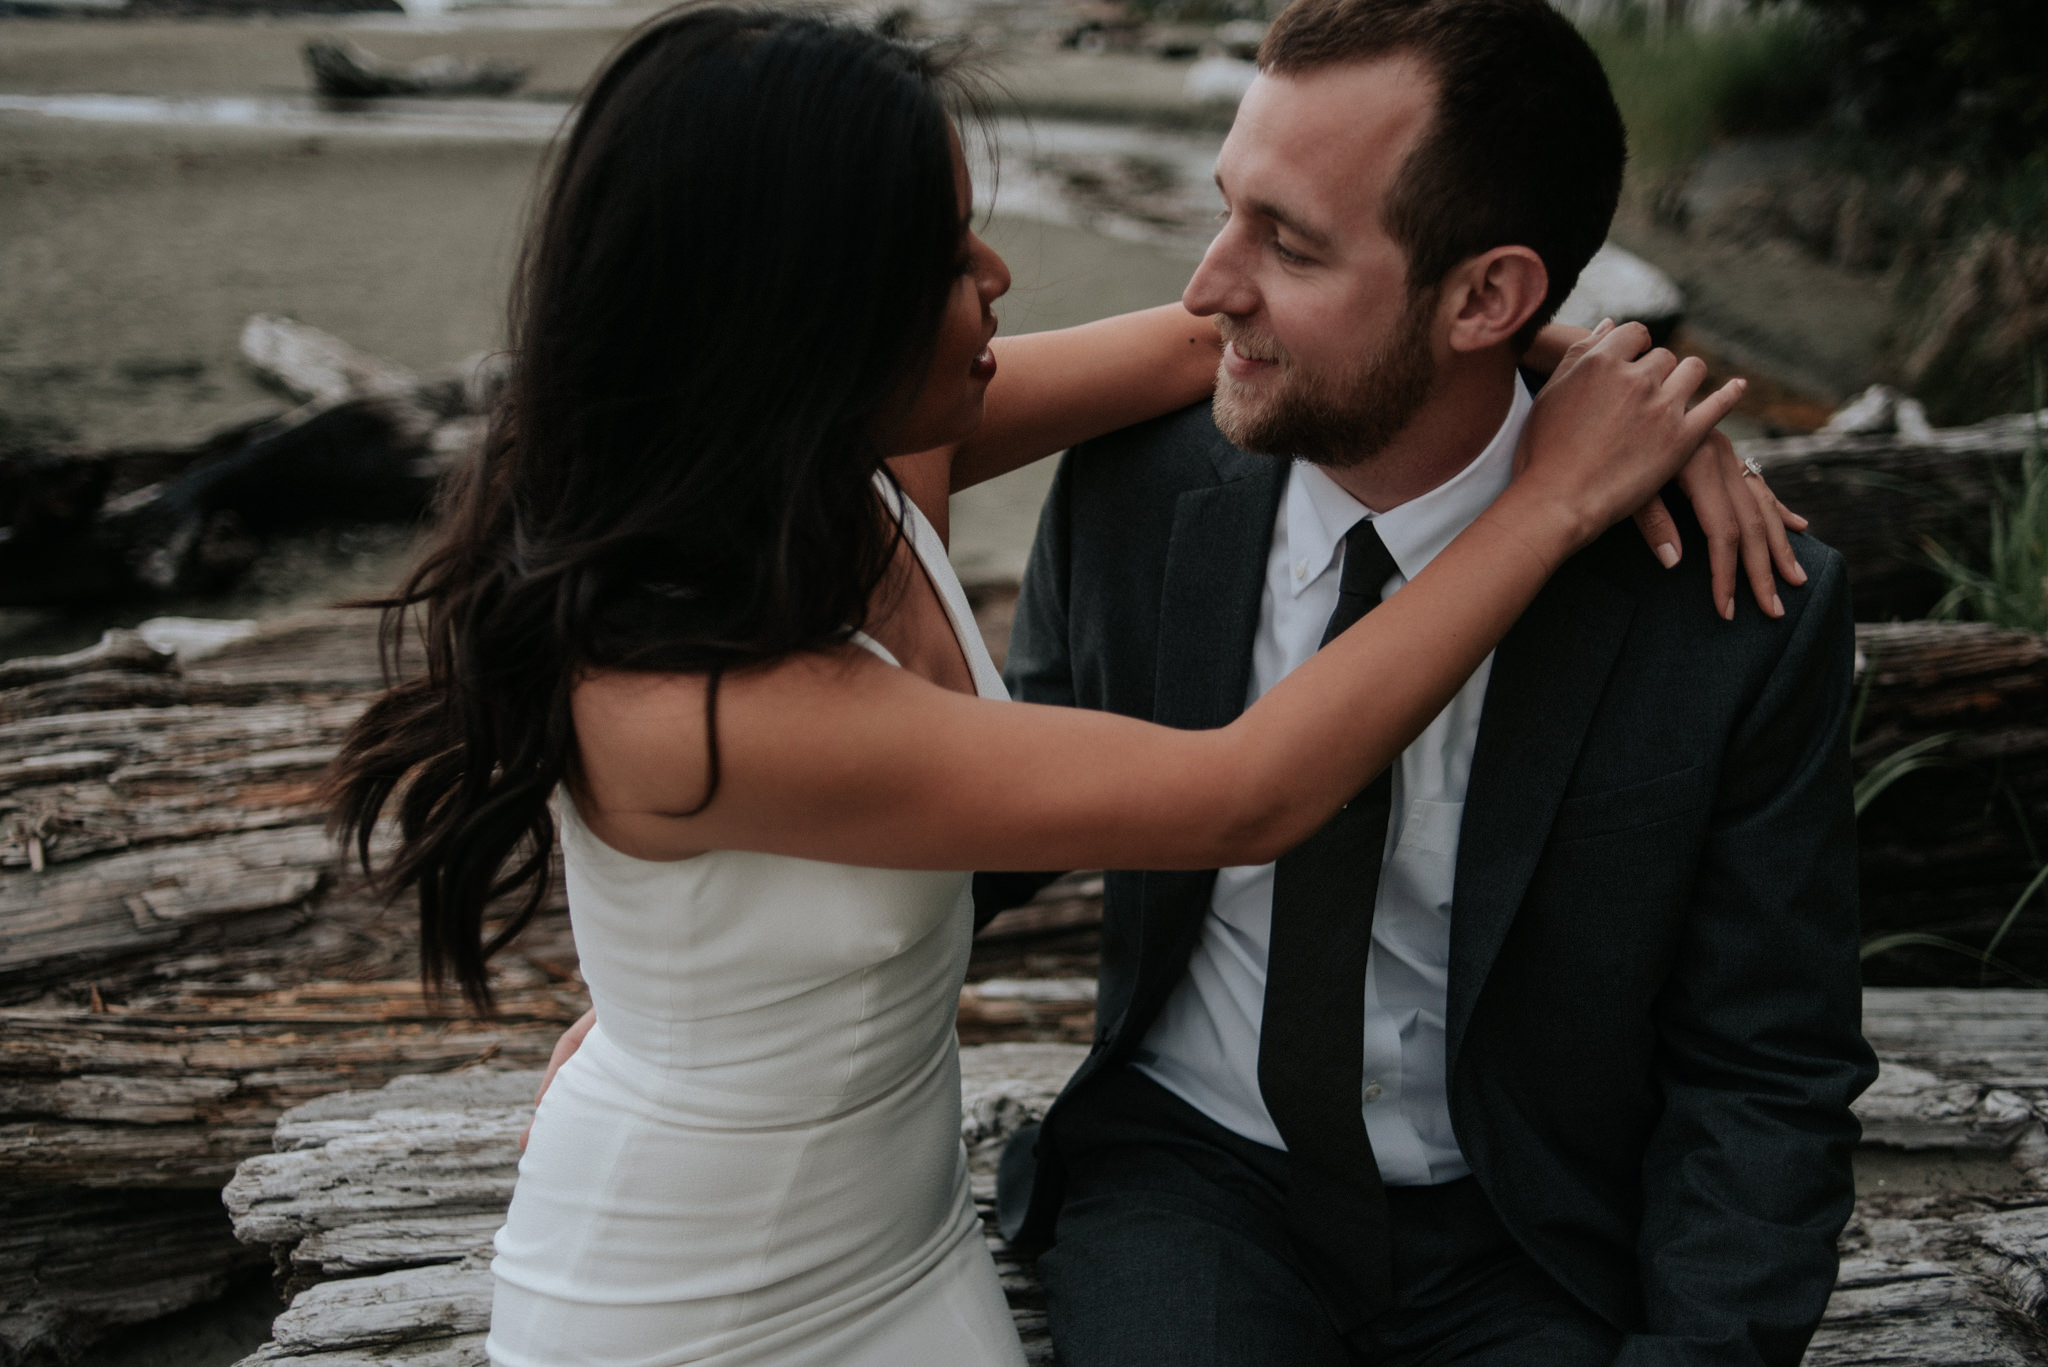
947	405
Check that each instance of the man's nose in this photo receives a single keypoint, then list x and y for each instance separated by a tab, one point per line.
1219	284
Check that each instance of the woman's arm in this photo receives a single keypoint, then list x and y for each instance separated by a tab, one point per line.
840	757
1052	389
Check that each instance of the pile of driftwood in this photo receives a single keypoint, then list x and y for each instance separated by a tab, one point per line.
367	442
183	956
379	1206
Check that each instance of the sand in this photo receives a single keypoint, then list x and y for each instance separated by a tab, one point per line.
131	252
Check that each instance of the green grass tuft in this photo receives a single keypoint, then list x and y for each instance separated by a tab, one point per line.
1681	89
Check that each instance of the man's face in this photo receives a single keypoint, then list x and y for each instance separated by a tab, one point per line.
1328	355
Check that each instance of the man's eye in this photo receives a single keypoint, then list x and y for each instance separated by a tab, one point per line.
1292	258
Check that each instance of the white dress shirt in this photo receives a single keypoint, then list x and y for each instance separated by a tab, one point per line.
1205	1045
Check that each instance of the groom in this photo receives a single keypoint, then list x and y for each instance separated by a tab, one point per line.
1586	1101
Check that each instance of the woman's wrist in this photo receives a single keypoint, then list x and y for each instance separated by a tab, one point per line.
1552	341
1552	527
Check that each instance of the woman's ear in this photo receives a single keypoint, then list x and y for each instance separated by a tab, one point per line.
1491	295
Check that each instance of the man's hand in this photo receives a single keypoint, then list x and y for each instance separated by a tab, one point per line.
569	1043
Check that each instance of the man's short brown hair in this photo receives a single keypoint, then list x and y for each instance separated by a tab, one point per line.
1525	147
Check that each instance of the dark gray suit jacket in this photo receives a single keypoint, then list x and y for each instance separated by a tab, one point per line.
1654	1000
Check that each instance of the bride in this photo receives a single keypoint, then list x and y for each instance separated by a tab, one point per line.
692	608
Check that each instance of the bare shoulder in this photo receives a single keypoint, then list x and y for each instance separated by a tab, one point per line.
645	740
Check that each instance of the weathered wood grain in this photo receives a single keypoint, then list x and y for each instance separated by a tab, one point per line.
76	1265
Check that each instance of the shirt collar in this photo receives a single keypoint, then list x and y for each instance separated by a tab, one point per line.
1320	513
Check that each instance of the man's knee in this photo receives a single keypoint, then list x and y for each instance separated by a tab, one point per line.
1146	1280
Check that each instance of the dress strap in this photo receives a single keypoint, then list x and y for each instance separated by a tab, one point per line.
867	642
931	553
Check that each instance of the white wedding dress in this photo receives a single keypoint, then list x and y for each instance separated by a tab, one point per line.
755	1157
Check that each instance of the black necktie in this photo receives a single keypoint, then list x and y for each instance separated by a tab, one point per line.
1312	1037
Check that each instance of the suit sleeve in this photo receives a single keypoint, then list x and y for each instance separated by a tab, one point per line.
1039	667
1747	1179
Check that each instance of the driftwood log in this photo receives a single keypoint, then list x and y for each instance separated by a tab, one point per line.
1949	849
349	71
379	1206
183	957
76	1266
1878	499
367	442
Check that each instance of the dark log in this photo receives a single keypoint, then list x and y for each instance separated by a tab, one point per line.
78	1266
1879	499
369	444
1948	850
1058	934
348	71
316	366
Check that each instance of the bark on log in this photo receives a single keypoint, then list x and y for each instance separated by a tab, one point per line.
182	953
1878	499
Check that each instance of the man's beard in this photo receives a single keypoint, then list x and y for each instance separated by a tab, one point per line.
1338	421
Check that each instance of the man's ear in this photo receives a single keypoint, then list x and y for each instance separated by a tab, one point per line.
1488	297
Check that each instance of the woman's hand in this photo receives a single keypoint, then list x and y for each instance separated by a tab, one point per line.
567	1045
1611	427
1743	521
1746	528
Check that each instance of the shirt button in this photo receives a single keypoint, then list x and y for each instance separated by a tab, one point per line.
1373	1092
1301	569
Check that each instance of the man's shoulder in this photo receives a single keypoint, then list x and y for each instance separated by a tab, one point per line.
1678	602
1179	450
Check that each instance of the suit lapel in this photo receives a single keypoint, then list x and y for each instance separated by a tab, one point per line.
1209	602
1548	675
1208	616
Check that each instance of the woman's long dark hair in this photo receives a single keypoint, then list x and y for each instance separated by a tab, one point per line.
735	274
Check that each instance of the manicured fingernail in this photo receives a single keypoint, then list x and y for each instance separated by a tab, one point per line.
1798	575
1667	555
1777	606
1727	609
